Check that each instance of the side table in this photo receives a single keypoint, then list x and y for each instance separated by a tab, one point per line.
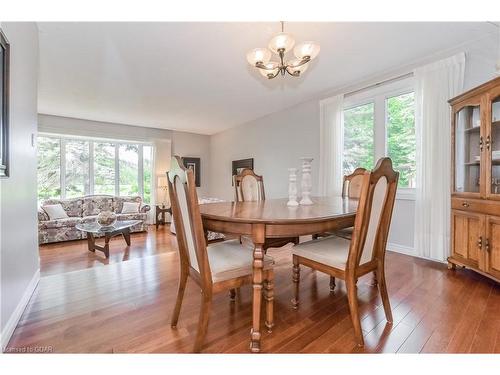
161	210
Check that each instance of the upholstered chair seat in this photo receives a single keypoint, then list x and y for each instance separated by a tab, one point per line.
332	251
230	259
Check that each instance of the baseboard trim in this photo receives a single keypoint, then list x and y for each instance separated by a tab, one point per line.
401	249
18	312
406	250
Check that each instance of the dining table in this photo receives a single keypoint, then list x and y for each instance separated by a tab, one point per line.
273	218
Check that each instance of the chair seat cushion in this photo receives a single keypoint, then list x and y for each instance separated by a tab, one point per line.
230	259
60	223
331	251
344	233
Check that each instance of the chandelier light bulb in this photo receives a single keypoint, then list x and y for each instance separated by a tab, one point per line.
256	55
306	49
271	69
282	41
294	66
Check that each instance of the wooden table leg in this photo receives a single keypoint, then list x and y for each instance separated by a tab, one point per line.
91	242
107	237
126	235
258	237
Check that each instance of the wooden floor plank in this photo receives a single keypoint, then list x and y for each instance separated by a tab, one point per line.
84	304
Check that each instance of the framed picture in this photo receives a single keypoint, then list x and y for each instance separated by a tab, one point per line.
239	165
4	105
194	164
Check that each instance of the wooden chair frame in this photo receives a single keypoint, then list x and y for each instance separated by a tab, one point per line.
347	180
203	277
353	269
237	180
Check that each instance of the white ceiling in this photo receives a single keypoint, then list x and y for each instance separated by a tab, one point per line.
194	76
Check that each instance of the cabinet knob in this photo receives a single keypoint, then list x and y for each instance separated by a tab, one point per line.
488	142
481	143
465	204
480	242
487	245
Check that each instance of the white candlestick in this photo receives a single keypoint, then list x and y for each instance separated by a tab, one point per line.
306	183
292	187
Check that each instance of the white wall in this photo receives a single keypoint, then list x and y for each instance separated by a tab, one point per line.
195	145
18	218
277	141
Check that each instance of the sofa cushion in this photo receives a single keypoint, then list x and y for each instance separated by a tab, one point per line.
118	201
134	216
55	211
89	219
95	204
130	208
60	223
72	206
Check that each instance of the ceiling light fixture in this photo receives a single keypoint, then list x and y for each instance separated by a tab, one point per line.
281	44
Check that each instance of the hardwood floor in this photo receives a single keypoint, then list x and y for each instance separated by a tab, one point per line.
70	256
126	306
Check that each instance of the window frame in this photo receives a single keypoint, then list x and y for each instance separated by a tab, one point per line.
378	96
63	139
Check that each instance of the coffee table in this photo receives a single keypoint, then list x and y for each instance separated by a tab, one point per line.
94	229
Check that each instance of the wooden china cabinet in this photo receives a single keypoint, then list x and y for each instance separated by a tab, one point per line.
475	197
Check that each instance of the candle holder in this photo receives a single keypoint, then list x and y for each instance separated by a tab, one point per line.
306	182
292	187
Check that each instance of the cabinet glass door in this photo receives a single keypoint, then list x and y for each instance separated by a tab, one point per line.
493	143
468	149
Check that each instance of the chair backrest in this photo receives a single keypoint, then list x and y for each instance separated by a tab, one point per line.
351	187
188	224
373	218
248	186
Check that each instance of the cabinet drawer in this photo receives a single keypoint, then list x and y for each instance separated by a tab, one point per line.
476	205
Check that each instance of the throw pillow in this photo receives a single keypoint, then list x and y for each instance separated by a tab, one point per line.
130	207
55	211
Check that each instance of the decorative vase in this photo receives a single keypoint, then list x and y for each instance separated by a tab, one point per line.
306	182
292	187
106	218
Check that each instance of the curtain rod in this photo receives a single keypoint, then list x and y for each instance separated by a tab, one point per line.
384	82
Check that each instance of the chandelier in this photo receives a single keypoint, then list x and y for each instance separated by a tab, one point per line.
281	44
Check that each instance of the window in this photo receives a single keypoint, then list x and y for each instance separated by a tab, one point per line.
401	144
77	168
129	169
358	138
381	122
70	167
49	168
104	168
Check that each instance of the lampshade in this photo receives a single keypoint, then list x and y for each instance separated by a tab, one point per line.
281	41
304	49
295	67
162	182
272	68
256	55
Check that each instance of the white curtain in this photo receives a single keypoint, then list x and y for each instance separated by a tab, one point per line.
331	145
435	84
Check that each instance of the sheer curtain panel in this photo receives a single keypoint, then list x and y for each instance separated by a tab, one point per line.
435	84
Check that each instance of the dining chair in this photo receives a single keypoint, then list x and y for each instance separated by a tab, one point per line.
365	252
249	186
351	188
214	268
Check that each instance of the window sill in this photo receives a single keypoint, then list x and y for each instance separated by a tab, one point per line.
406	194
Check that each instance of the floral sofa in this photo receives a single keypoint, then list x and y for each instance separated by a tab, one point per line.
85	210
